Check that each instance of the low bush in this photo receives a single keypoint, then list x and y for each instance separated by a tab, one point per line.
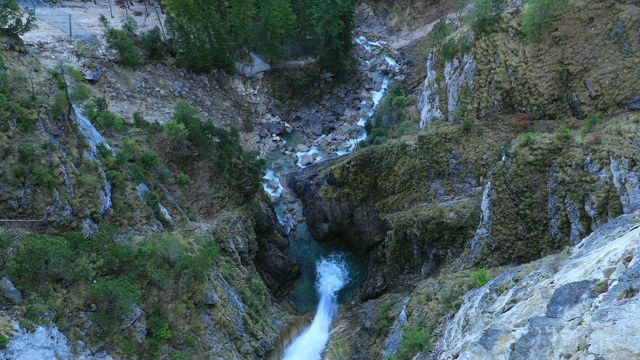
122	41
538	16
480	277
590	124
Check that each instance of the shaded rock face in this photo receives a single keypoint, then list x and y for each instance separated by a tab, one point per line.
428	103
559	78
272	260
343	201
353	221
578	305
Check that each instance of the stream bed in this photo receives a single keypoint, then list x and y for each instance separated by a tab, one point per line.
343	267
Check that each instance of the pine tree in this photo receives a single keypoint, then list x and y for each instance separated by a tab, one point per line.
276	20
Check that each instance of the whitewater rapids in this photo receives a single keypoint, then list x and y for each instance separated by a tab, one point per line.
331	276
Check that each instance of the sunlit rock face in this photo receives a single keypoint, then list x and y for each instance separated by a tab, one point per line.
579	304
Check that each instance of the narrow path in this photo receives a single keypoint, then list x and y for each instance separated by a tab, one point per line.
408	38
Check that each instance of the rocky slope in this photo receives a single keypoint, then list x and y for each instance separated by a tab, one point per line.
525	149
520	156
579	304
59	176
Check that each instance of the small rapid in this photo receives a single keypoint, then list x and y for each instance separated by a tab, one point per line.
331	276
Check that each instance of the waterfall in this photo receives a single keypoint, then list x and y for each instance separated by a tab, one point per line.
331	276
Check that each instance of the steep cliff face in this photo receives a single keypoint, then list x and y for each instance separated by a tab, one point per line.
579	304
430	203
83	210
580	68
535	145
471	190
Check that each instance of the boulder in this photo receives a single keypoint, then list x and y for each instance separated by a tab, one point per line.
10	291
274	127
93	75
632	103
312	124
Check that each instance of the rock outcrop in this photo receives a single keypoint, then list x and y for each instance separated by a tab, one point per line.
580	304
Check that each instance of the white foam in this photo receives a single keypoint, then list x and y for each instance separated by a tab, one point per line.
331	276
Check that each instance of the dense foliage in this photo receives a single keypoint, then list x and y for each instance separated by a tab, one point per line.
243	169
211	34
15	20
538	16
110	270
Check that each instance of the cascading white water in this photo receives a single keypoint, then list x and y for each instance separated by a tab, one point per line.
332	275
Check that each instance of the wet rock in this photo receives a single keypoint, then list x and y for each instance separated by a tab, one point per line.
210	295
539	339
253	67
132	320
457	73
9	290
330	124
276	268
89	227
428	103
302	148
306	160
392	342
618	29
352	220
627	183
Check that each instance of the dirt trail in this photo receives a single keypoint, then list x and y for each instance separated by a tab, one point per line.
405	39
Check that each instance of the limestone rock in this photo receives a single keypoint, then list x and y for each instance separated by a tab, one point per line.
508	319
10	291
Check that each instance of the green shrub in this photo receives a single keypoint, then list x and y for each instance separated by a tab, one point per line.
483	15
148	159
184	179
4	341
135	173
152	45
59	105
15	20
538	16
449	49
114	176
42	259
439	32
122	41
466	125
174	130
29	153
480	277
114	298
590	123
381	321
108	122
44	177
562	133
158	328
413	341
80	93
129	151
